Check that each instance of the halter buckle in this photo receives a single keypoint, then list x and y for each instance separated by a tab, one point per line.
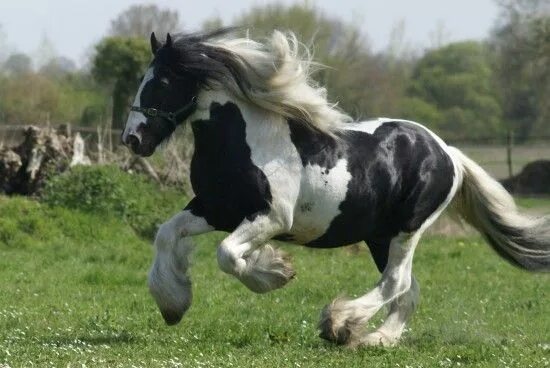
151	112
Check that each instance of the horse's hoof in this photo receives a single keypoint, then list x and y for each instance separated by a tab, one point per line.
333	327
267	269
378	338
341	336
171	317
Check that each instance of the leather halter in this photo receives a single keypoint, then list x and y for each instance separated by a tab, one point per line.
174	118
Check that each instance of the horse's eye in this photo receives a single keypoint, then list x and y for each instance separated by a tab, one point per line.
164	81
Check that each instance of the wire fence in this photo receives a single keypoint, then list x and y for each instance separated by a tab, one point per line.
499	155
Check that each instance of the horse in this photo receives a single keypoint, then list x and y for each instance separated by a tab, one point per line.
275	160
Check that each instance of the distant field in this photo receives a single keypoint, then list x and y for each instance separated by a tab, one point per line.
493	157
74	294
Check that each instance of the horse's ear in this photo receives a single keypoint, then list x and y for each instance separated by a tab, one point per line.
155	44
168	40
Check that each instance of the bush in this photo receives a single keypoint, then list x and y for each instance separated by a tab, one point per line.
109	191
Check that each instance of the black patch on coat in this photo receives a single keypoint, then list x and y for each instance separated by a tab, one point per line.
314	147
228	186
400	176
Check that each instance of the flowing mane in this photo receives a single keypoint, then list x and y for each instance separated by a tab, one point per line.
275	75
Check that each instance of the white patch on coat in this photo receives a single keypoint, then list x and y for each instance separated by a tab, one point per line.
135	118
322	192
272	151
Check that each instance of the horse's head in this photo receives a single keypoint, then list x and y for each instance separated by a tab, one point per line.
273	77
165	98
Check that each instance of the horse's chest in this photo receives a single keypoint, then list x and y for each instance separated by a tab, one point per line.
322	190
228	185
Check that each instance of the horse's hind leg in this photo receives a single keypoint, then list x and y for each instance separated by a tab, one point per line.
401	309
343	321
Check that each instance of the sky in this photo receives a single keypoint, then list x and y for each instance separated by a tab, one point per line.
74	26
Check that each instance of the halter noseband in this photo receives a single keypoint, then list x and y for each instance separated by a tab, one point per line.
171	117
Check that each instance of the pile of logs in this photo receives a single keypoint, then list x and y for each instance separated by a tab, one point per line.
43	152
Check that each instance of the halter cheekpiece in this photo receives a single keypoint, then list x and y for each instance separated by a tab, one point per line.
172	117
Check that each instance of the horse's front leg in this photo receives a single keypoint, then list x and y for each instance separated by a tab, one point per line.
169	283
262	269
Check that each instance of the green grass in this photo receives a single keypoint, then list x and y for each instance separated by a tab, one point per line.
74	293
540	204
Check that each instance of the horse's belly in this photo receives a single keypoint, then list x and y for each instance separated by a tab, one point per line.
322	190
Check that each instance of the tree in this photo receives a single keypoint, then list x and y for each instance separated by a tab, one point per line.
118	64
4	48
58	67
453	86
521	43
212	24
360	82
45	52
28	99
140	20
18	64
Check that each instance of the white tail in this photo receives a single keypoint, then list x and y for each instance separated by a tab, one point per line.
522	240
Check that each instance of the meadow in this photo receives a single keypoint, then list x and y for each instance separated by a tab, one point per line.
73	294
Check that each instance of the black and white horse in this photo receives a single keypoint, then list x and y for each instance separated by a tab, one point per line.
274	160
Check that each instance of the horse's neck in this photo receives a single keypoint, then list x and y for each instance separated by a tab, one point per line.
234	125
259	124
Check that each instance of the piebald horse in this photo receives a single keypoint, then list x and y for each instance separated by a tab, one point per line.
274	159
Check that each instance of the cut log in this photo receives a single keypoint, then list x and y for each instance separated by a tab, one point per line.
43	152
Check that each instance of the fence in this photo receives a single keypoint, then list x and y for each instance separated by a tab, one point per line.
498	155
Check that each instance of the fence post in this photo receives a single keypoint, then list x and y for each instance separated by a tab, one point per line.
509	144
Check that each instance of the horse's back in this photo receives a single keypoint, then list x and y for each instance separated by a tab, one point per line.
379	178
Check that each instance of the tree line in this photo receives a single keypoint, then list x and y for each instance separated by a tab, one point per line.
461	89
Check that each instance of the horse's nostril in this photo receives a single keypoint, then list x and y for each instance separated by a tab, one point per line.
133	140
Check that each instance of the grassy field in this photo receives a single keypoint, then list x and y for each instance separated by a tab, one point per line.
74	294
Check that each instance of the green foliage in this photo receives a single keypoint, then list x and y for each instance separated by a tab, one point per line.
22	222
118	64
29	98
415	108
36	98
76	294
454	84
109	191
18	64
363	84
81	101
521	44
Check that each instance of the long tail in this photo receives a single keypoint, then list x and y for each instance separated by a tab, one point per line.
522	240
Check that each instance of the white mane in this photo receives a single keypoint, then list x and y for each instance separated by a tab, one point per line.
276	76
